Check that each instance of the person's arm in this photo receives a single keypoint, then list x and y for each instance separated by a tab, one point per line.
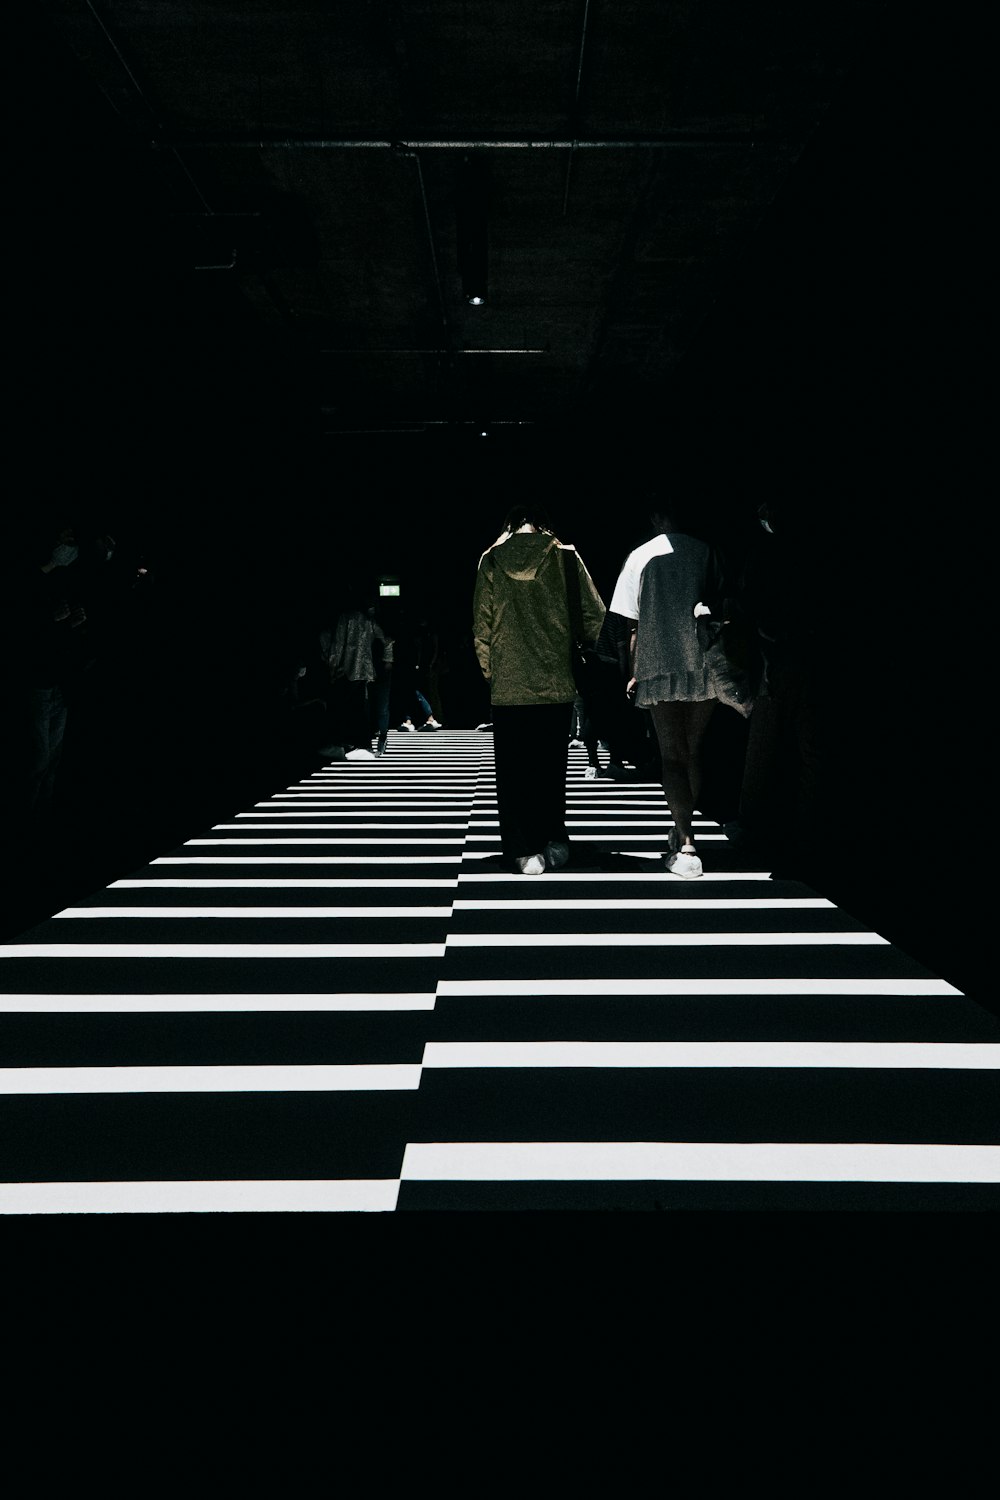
592	609
633	636
482	616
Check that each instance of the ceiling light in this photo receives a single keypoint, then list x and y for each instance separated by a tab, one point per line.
472	227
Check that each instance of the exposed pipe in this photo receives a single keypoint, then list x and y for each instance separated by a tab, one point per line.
405	151
576	103
121	58
442	352
670	140
142	97
419	426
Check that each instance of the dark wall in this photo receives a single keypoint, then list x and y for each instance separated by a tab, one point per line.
838	370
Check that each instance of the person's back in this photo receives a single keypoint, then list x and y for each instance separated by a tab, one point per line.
525	649
523	629
669	661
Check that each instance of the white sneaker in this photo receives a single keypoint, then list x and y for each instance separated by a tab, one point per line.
685	863
432	723
531	864
577	745
360	754
590	774
408	728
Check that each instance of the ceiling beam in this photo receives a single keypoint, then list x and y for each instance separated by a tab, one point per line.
675	140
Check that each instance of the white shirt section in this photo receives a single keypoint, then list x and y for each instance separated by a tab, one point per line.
625	600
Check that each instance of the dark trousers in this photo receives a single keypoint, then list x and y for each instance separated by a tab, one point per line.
349	713
378	702
47	716
530	744
783	796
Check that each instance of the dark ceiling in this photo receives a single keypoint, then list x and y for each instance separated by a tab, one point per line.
335	162
726	241
733	247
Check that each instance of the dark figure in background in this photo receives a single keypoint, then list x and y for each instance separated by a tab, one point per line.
110	699
47	655
523	639
347	652
381	686
660	588
611	716
298	715
417	657
786	591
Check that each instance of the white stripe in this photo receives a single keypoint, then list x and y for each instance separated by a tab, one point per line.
156	1004
583	838
667	939
332	843
696	1161
322	1196
331	826
591	799
661	823
267	1078
711	1055
285	802
267	912
664	903
222	950
537	988
308	859
611	878
169	883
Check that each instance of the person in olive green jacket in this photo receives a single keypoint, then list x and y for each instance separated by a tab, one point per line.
524	640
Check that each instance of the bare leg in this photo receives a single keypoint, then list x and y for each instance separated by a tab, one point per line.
680	730
698	718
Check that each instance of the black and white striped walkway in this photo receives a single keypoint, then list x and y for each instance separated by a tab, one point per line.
337	1000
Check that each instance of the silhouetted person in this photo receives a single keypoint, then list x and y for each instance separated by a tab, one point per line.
658	590
613	717
49	652
298	715
787	591
414	656
347	651
523	636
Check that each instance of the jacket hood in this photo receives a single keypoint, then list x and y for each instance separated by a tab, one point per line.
522	555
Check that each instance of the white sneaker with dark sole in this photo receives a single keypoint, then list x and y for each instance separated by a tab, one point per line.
531	864
685	863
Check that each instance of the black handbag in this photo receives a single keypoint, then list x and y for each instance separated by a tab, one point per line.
732	656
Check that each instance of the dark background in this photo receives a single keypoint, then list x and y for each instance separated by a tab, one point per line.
841	367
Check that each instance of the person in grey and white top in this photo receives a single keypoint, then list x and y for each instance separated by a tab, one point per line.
663	586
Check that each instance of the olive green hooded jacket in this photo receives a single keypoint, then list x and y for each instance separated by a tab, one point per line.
521	618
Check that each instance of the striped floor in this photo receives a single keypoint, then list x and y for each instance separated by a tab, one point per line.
338	1000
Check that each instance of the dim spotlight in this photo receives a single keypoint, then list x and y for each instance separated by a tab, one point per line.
472	225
